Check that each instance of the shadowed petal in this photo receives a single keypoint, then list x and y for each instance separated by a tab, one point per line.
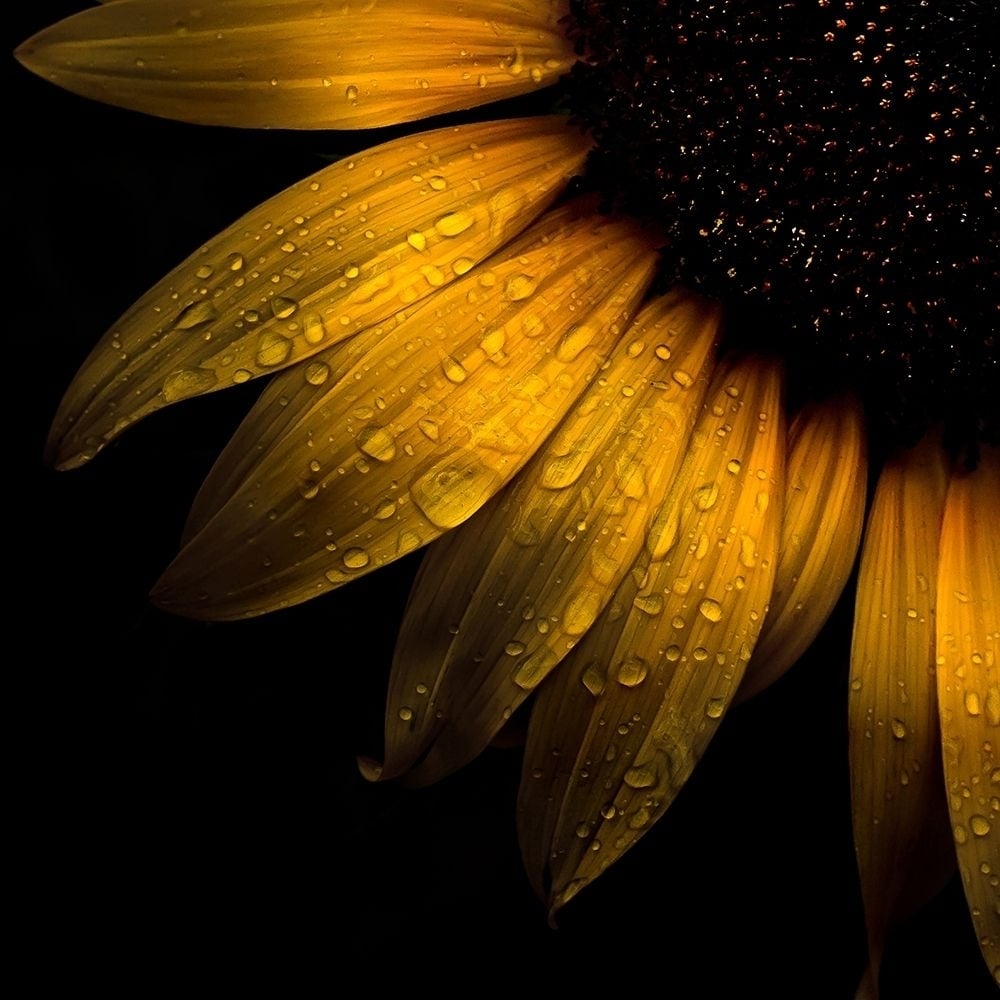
332	255
968	686
500	601
616	732
824	514
303	64
895	777
426	427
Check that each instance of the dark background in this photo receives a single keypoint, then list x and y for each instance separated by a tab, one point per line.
188	795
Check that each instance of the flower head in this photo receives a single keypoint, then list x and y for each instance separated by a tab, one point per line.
469	350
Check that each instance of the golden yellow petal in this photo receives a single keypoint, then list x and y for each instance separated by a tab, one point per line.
336	253
824	513
303	64
968	687
500	601
895	782
616	731
428	425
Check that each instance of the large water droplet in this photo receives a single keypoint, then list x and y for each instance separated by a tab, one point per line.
581	609
632	671
356	558
196	314
455	223
283	307
454	489
593	678
453	370
273	349
641	776
188	382
711	609
377	442
574	342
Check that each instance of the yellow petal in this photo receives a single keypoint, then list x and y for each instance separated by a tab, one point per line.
332	255
303	64
824	513
500	601
895	783
426	427
968	686
616	731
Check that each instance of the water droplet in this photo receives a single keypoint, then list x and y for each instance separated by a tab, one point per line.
583	830
351	93
672	653
196	314
454	489
188	382
715	707
356	558
384	510
649	604
640	819
519	286
684	379
455	223
241	375
593	678
898	728
282	307
532	670
710	609
632	671
235	262
748	551
700	654
203	272
429	428
662	352
308	489
582	607
417	240
514	648
574	341
377	442
273	349
733	466
641	776
453	370
972	705
979	825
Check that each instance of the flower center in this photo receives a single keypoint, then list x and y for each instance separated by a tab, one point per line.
823	166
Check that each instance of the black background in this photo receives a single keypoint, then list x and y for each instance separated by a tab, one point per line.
189	803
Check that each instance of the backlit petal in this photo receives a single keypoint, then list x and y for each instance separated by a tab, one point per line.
616	731
824	513
303	64
332	255
968	685
895	776
500	601
427	426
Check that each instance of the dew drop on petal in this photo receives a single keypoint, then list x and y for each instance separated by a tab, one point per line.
188	382
377	442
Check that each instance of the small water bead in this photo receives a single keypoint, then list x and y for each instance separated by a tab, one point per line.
356	558
711	609
593	678
662	352
641	776
205	271
384	510
351	93
454	371
632	671
979	825
242	375
454	223
417	240
405	714
715	707
514	648
283	307
377	442
195	315
684	379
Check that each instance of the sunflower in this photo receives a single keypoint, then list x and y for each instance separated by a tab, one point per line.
501	337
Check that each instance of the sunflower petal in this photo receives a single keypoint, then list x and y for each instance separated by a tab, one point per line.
616	732
892	705
302	64
500	601
426	426
328	257
968	687
824	513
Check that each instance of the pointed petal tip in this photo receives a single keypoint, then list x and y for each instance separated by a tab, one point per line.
370	769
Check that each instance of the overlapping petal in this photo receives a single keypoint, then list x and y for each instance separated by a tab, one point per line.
894	745
425	427
821	529
338	252
500	601
617	730
968	688
302	63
